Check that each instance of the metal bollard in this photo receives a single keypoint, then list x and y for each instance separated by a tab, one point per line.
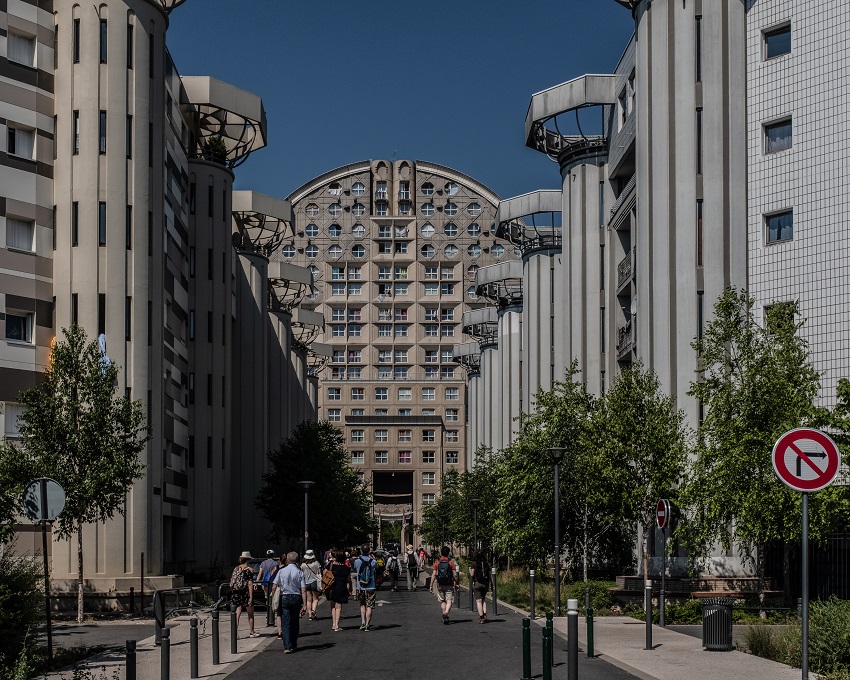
547	653
471	596
215	640
526	649
647	606
193	647
269	610
572	639
550	624
495	595
165	655
589	622
586	599
531	592
130	671
233	630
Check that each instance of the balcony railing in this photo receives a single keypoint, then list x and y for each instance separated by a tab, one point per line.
626	268
626	338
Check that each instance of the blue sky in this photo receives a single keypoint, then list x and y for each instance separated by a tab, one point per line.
444	82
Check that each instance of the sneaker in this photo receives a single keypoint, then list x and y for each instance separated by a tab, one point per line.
254	634
362	625
287	651
446	619
369	627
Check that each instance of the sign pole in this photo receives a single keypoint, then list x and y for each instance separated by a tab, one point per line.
43	499
663	575
805	541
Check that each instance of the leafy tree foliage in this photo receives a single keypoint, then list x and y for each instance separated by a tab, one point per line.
339	504
756	383
76	429
21	602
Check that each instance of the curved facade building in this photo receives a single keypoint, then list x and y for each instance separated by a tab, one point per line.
394	247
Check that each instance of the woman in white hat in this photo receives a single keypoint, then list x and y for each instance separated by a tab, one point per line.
312	570
242	591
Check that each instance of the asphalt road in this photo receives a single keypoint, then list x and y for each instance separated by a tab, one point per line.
409	634
101	634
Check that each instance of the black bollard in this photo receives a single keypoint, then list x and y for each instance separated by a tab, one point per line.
130	671
526	649
471	596
547	653
589	622
215	641
165	655
550	624
647	606
586	599
495	595
233	630
193	647
531	592
572	639
269	610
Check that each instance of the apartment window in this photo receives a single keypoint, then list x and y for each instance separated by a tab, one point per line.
128	315
400	331
101	223
430	373
334	394
354	356
354	274
446	356
382	436
401	273
699	141
451	414
102	133
20	49
429	499
447	330
401	356
358	210
384	232
447	289
405	436
405	457
357	457
602	330
20	234
432	289
358	435
429	478
101	313
338	373
103	35
381	208
385	247
431	273
447	273
699	233
777	42
447	372
354	288
75	133
698	48
129	137
404	191
334	415
191	324
358	412
780	226
76	39
700	317
384	273
75	223
384	356
337	273
452	457
381	456
19	141
777	136
354	373
75	308
400	373
428	394
337	331
385	331
130	46
354	314
429	435
354	330
19	325
358	393
452	394
405	394
191	388
452	436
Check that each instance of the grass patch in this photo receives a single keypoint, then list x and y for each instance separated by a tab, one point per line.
515	589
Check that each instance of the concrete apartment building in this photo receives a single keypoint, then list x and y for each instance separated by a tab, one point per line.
718	162
118	209
394	248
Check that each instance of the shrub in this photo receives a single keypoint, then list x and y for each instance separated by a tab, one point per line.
600	597
21	600
760	640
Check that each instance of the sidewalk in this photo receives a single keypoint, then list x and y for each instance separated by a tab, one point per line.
148	656
620	641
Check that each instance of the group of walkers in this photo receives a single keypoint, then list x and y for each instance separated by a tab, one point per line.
294	591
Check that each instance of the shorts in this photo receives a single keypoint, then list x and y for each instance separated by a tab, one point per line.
367	598
240	598
479	590
313	586
446	594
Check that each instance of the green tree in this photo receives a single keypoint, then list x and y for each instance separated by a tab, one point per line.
339	504
21	605
76	429
16	472
755	383
642	430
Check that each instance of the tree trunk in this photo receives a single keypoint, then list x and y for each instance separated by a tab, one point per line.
786	573
79	572
645	553
760	563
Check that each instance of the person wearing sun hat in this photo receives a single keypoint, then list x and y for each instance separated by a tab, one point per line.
241	587
312	570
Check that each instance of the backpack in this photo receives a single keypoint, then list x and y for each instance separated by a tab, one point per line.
444	573
412	562
482	572
268	579
366	572
328	580
392	565
239	579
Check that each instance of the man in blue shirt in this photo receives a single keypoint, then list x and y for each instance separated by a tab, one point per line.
293	594
365	569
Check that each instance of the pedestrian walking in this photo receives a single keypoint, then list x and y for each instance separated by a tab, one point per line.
412	565
444	582
312	571
340	589
393	570
479	575
365	569
268	569
241	591
293	594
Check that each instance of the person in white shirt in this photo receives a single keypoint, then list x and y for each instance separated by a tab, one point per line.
293	595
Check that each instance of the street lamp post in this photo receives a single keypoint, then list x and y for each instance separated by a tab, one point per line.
556	453
306	485
475	502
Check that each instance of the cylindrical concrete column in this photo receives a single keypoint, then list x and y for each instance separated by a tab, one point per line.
509	355
281	373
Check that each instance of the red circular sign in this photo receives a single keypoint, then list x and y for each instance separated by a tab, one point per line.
662	513
806	459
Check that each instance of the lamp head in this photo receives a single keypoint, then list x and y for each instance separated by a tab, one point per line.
476	502
306	485
556	453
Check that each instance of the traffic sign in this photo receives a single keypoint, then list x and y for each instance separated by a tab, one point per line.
44	499
662	513
806	459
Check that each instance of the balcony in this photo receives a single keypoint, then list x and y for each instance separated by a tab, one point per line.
626	269
626	338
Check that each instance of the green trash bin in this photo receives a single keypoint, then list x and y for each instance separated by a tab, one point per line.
717	624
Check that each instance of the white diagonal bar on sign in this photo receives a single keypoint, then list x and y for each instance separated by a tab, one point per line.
808	461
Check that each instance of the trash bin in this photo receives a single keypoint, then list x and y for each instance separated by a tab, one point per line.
717	623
